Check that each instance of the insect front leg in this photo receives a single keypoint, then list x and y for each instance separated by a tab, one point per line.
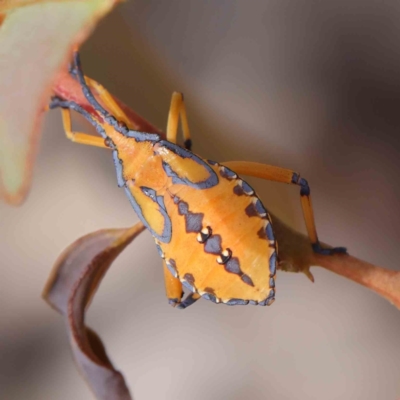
177	109
79	137
278	174
173	288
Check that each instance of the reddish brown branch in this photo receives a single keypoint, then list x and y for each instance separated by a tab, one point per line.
381	280
296	256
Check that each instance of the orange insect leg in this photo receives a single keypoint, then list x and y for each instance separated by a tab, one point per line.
177	109
173	287
78	137
107	100
283	175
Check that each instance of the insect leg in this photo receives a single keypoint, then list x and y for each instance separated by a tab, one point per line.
177	109
278	174
78	137
107	100
188	301
173	288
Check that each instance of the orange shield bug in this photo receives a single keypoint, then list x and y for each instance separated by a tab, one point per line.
211	230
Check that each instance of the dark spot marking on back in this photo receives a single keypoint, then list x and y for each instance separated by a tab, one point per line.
262	234
266	233
213	245
246	279
183	208
189	278
238	190
233	266
251	210
194	222
209	290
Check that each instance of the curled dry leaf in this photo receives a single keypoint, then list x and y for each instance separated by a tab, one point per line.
35	43
72	284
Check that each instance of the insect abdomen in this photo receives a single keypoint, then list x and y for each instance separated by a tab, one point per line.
238	258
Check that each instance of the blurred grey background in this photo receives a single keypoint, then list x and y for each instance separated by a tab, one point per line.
311	86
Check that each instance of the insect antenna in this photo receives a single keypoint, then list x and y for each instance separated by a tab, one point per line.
77	72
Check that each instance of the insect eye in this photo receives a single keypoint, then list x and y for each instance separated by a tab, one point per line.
109	143
204	234
122	125
224	257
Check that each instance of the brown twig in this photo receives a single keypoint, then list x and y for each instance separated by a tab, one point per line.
381	280
296	256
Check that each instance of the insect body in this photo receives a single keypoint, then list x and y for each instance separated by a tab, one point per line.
210	228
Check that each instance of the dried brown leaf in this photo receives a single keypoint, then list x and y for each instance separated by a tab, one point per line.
75	278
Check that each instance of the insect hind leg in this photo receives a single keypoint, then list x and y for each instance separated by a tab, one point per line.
272	173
